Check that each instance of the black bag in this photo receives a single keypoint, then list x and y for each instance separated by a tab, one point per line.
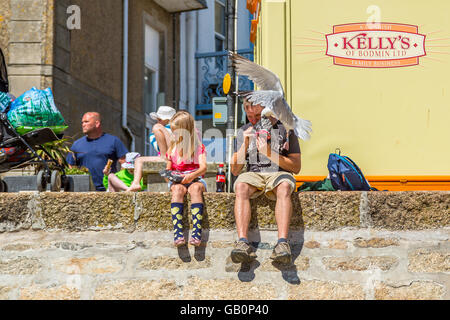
4	84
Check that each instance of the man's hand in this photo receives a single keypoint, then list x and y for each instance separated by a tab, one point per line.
107	168
238	159
263	147
248	135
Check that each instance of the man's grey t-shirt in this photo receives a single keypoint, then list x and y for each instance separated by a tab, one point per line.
257	162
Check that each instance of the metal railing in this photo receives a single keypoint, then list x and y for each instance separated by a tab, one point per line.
211	69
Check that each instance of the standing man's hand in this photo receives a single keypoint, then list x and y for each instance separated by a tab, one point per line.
107	168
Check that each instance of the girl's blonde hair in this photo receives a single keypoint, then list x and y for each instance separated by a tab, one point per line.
188	140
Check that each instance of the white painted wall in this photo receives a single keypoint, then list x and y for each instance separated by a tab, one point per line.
197	35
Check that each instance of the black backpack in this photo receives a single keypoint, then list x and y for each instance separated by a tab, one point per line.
4	84
345	175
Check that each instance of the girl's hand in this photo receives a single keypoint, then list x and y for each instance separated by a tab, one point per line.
188	178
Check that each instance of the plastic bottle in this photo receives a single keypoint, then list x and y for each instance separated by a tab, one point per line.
220	179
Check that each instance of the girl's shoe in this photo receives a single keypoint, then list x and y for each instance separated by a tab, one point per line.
179	242
195	242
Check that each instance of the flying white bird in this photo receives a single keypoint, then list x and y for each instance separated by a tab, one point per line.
271	96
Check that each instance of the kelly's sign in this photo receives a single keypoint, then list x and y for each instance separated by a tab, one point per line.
378	45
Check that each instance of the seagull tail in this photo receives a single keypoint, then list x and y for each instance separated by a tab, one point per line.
302	128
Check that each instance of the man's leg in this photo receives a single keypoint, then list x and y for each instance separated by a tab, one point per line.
283	209
242	251
283	214
242	210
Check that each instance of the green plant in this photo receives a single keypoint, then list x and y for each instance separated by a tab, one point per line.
58	150
77	170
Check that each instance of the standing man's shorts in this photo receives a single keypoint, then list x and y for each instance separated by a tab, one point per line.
265	182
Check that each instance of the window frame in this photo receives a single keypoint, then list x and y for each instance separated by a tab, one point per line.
218	34
161	82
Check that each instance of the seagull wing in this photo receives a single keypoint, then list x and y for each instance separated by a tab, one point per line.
301	127
262	77
271	96
265	98
274	101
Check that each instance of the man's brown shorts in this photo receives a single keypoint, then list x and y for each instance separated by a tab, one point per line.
265	182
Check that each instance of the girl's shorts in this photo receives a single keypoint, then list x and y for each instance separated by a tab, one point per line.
187	185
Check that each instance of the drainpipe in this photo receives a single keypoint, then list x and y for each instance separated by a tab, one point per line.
174	59
125	77
231	15
183	65
236	78
191	24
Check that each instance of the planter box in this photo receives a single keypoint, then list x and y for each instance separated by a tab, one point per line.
79	183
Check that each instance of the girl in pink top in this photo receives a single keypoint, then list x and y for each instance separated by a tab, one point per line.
187	156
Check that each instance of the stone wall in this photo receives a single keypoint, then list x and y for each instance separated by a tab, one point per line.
84	66
89	66
5	16
352	245
26	36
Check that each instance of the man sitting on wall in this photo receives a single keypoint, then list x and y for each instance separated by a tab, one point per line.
95	148
272	157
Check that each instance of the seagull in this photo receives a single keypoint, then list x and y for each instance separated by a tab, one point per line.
271	96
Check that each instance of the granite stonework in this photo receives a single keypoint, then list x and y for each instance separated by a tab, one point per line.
120	246
138	265
144	211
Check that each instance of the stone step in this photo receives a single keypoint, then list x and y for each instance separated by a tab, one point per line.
359	264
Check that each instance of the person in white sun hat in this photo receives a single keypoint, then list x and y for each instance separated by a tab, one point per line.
160	139
120	181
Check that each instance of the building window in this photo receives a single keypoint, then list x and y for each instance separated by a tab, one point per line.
149	90
153	74
220	17
219	14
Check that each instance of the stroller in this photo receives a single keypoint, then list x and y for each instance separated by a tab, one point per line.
18	151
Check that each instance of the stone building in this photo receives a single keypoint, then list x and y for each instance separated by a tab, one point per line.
77	47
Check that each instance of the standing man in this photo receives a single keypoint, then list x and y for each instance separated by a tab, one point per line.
95	148
271	161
